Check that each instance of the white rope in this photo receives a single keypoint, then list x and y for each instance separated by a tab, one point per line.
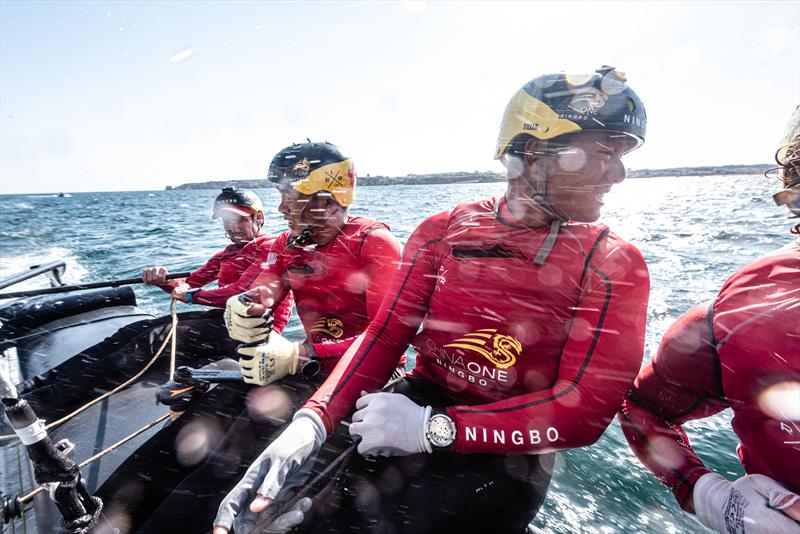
100	454
173	310
170	336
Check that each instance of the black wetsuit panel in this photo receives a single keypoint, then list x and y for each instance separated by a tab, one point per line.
202	338
162	488
439	492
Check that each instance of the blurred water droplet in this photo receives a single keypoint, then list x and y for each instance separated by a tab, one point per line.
183	55
781	401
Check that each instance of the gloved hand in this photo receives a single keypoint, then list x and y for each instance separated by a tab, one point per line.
268	473
390	424
241	325
155	276
750	504
270	361
288	520
249	521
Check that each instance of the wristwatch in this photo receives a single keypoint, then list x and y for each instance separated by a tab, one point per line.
311	366
440	431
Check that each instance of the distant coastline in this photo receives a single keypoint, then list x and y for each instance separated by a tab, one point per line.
483	177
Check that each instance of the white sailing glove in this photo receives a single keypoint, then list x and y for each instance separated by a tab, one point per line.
750	504
267	474
243	327
251	522
270	361
390	424
288	520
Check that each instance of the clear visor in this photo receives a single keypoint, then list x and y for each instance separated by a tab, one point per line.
288	192
788	197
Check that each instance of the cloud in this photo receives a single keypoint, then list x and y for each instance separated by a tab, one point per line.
183	55
769	43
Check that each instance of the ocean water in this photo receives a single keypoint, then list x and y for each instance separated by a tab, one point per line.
693	231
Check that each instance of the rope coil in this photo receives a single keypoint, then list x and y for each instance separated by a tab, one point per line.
13	507
170	336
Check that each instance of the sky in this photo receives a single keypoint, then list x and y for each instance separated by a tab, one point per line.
122	96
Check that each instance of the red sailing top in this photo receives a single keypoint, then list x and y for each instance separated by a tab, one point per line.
337	287
233	267
534	357
741	352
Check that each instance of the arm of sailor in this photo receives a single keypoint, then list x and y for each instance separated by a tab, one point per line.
267	474
261	272
181	293
157	276
207	273
599	362
681	383
371	359
380	253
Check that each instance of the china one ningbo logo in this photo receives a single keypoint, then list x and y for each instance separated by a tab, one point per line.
500	349
589	103
301	168
329	325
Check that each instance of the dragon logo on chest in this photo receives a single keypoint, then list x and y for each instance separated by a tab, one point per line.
329	325
500	349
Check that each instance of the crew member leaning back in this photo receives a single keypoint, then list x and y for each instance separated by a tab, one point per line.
337	266
739	351
532	330
242	216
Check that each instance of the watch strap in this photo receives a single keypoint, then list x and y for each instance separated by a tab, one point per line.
311	366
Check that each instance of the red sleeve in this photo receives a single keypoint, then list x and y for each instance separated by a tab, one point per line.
371	359
598	364
282	313
202	276
680	384
265	271
219	296
208	272
172	284
273	276
379	254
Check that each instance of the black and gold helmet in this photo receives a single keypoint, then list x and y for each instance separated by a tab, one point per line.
239	201
556	104
315	167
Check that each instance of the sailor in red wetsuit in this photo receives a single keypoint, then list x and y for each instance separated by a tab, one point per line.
532	330
337	266
202	337
740	351
242	216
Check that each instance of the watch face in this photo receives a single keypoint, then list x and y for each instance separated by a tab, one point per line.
441	430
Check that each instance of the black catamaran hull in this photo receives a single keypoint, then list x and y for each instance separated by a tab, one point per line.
62	350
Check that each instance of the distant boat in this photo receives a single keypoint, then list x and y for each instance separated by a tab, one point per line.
64	195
